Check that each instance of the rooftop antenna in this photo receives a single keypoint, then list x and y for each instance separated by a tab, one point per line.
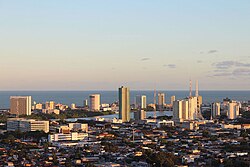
196	89
190	88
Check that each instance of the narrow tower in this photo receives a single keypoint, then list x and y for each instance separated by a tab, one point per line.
190	88
196	89
124	104
155	104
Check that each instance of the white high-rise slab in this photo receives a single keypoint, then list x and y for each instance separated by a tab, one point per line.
20	105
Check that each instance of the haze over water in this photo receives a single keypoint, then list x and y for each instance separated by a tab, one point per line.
77	97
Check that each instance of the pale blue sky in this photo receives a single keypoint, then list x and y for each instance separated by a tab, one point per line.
143	44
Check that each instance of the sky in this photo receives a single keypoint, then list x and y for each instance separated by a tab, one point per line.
142	44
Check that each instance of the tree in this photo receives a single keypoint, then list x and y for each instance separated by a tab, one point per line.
205	133
160	159
243	134
55	160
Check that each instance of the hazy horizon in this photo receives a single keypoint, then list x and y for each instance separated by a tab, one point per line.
101	45
157	90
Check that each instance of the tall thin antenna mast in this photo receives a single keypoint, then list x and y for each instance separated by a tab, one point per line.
196	89
155	104
190	88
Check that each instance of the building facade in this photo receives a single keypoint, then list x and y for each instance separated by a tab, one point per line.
141	102
233	110
161	100
172	99
73	136
94	102
20	105
185	109
26	125
215	110
139	115
124	104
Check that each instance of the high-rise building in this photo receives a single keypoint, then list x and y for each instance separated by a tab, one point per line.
177	111
139	115
141	102
172	99
20	105
189	108
185	109
192	104
85	103
215	110
161	100
233	110
181	110
94	102
199	101
124	104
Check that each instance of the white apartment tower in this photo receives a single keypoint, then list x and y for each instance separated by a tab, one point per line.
20	105
215	110
141	102
185	109
192	105
161	100
189	108
172	99
233	110
94	102
181	110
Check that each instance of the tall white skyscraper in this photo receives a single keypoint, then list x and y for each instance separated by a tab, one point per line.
172	99
94	102
199	101
124	104
233	110
161	100
185	109
215	110
189	108
141	102
181	110
192	112
20	105
85	103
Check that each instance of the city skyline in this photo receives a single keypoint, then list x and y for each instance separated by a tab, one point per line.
97	45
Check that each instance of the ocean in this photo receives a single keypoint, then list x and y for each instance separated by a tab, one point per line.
77	97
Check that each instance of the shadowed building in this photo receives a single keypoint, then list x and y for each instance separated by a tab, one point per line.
124	104
161	101
141	102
